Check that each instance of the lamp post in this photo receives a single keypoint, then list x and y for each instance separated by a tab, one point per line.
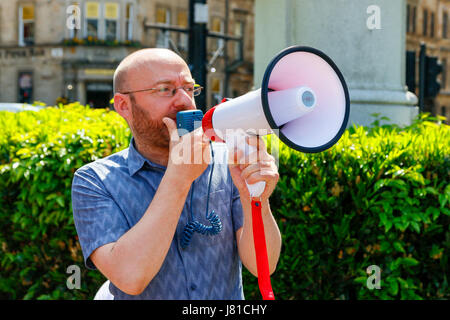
197	48
198	19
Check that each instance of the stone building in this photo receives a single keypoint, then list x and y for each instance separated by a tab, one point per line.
53	49
428	21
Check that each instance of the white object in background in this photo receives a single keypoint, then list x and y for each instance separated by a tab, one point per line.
201	13
103	293
17	107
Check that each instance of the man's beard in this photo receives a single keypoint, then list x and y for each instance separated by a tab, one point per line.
150	133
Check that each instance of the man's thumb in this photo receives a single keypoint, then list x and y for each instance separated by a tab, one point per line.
172	128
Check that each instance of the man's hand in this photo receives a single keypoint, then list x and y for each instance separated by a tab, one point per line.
255	167
259	166
189	155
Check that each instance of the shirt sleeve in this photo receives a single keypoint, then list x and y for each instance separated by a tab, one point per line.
98	219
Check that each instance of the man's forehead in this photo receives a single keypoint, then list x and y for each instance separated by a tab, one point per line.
183	79
152	77
163	71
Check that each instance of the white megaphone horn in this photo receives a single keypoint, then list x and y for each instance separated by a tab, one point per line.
303	99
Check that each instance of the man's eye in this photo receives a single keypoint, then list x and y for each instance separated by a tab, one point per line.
164	89
189	89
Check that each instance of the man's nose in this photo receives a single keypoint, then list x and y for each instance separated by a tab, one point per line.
183	98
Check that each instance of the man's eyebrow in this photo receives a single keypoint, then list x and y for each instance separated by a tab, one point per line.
190	81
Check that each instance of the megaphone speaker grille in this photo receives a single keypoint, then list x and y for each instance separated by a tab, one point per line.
301	66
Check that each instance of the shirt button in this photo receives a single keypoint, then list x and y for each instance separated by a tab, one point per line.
193	287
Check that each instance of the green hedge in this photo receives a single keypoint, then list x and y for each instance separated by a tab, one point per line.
379	197
39	152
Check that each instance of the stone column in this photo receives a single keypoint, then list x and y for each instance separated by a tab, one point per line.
365	38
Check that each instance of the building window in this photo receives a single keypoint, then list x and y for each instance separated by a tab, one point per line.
408	17
129	22
26	25
444	25
182	21
163	18
425	22
25	84
238	46
111	21
92	18
444	74
216	91
414	17
432	25
217	27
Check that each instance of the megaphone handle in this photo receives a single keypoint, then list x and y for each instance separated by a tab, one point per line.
256	189
262	260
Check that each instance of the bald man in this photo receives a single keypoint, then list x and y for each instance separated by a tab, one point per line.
131	208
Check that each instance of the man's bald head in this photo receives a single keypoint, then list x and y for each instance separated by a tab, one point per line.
141	61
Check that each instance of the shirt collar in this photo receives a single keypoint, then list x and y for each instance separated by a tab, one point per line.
136	161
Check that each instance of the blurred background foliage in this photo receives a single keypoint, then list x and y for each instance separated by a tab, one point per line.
380	196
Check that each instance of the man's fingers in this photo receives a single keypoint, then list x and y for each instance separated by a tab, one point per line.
249	170
256	141
263	168
237	156
234	155
270	177
172	128
199	135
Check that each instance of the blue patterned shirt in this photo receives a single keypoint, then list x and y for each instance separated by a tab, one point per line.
110	195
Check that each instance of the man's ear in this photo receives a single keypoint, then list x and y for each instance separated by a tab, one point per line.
122	105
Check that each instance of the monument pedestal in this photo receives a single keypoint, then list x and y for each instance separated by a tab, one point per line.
365	38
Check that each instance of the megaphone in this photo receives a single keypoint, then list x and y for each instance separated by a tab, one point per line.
304	100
